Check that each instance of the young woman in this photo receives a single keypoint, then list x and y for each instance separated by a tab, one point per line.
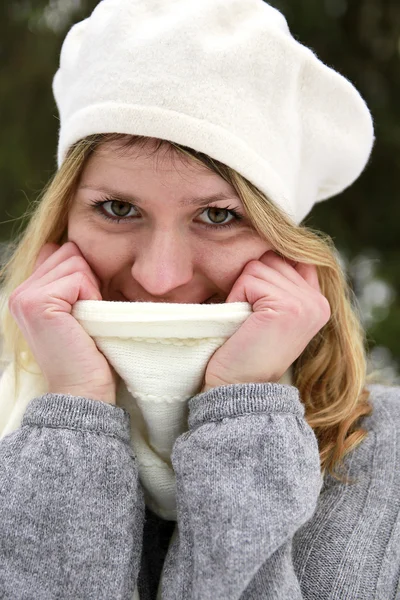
194	139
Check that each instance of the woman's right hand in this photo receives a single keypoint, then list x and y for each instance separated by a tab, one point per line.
68	357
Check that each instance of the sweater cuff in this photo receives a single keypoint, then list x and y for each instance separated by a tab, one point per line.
240	399
76	412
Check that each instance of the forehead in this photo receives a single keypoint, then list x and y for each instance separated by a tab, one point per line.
140	161
147	174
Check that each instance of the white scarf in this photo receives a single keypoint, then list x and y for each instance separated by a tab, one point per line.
160	351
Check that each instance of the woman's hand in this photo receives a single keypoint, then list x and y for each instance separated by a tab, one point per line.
41	305
288	311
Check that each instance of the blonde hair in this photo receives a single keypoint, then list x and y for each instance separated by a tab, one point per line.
330	374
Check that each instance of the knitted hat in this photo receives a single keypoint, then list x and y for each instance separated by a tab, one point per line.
224	77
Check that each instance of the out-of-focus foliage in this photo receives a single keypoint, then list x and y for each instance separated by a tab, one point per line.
359	38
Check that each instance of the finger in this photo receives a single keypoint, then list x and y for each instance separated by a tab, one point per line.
51	257
55	297
271	276
59	296
289	268
74	264
54	258
251	289
309	275
73	287
45	252
272	300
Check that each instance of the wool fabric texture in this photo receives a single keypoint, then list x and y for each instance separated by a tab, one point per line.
160	351
224	77
253	521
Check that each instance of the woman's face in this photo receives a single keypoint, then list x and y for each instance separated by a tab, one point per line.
151	240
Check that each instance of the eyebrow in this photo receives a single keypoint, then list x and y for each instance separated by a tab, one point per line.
193	201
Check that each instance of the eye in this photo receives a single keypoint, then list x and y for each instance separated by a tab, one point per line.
219	214
119	210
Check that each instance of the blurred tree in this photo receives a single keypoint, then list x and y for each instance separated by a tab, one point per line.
31	34
360	39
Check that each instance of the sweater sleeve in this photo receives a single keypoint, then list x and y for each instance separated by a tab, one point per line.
71	507
248	477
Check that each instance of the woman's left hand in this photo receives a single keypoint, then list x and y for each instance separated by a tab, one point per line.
288	311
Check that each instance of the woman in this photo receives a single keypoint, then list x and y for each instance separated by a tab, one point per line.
188	186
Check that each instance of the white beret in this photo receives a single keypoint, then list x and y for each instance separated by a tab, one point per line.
224	77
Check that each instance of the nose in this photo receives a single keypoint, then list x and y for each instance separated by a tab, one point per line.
163	263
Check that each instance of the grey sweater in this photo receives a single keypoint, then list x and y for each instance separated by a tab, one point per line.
254	522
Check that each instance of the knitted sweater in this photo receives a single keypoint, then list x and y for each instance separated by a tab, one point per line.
253	520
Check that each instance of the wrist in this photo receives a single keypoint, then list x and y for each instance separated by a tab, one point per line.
104	395
205	388
209	385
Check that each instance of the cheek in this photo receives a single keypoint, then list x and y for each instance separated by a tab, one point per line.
224	264
104	253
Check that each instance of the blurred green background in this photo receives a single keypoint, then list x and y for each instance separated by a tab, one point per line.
358	38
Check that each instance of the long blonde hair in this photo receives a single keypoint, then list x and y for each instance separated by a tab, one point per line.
330	374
